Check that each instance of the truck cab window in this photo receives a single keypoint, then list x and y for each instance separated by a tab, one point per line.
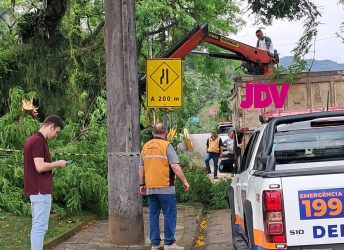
309	145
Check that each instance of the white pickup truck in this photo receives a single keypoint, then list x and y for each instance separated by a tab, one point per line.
288	192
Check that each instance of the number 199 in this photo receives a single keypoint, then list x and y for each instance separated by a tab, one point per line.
319	207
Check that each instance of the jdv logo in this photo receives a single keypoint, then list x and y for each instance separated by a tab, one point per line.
254	95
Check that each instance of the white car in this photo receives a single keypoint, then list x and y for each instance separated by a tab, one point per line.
223	129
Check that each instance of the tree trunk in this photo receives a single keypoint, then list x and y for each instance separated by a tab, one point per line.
125	204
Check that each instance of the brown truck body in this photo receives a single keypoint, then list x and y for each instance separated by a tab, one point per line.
311	90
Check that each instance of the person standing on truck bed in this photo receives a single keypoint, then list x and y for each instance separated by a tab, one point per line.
214	149
264	42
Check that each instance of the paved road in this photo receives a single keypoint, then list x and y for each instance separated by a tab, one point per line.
219	234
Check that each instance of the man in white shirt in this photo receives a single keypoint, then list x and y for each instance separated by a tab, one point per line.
264	42
228	149
229	143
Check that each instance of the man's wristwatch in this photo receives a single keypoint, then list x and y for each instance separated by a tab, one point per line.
141	185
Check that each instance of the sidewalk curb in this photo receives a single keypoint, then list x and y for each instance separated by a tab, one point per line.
191	228
63	237
198	230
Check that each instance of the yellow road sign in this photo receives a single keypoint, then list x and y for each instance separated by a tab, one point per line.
164	83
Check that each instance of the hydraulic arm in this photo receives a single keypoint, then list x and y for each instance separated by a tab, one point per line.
256	61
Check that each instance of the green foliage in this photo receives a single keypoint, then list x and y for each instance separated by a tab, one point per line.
56	209
201	92
277	72
12	199
200	188
220	194
298	66
7	62
11	182
268	10
177	139
213	195
55	53
184	160
207	122
80	186
224	111
167	21
15	125
83	184
197	128
61	59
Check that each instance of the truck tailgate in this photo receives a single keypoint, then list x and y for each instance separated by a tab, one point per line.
313	206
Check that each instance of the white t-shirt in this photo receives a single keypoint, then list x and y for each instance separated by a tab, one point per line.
262	45
229	144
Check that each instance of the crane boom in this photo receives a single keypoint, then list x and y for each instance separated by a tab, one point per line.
257	61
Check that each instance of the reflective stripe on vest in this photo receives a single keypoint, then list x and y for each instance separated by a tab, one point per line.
154	156
213	145
157	170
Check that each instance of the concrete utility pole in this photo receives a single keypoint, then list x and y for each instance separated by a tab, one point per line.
125	204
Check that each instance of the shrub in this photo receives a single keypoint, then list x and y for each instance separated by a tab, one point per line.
200	188
213	195
80	186
184	160
219	194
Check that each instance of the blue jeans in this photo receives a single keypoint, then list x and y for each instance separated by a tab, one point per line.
215	158
168	204
40	208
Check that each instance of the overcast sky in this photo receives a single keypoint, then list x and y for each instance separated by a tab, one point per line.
285	34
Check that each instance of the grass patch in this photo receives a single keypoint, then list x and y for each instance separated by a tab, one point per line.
15	230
